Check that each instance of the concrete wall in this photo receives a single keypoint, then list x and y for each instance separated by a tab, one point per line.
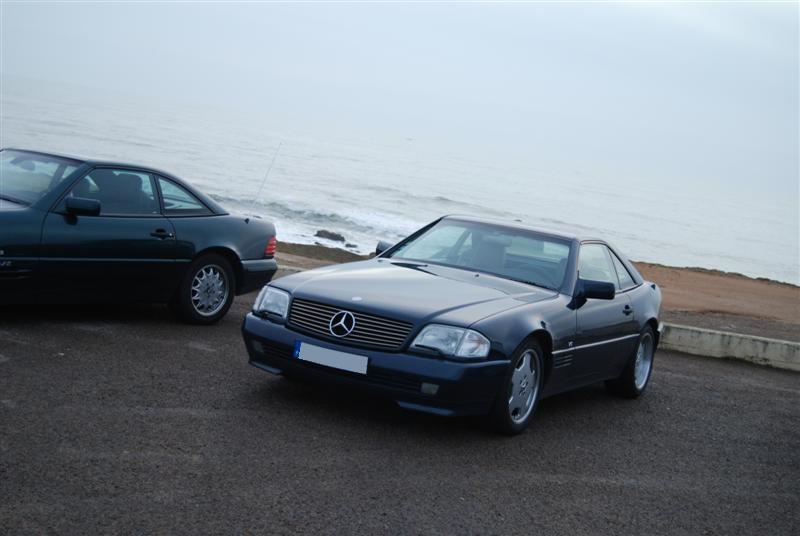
713	343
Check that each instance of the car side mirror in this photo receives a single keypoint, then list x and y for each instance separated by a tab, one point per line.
597	290
382	246
82	206
590	289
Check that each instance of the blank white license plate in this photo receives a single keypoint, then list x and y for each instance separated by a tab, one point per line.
331	358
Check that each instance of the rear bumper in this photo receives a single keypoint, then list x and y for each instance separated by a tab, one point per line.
256	274
462	388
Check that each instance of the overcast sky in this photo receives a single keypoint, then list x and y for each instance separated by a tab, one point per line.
697	93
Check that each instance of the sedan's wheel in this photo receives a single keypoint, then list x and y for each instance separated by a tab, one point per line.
207	290
633	380
513	409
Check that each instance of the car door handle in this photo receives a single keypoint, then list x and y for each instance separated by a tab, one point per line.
161	234
627	310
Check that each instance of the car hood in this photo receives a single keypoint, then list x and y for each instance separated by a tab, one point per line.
413	292
10	206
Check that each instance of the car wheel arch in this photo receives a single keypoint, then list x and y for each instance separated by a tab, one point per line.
653	323
229	256
545	340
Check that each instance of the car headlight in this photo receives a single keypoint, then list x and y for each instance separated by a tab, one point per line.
452	341
272	300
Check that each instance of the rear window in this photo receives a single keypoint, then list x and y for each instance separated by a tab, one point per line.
625	279
178	201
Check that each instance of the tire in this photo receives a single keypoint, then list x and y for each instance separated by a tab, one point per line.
510	415
206	292
636	375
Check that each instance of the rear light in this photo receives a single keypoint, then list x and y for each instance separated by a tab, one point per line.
272	245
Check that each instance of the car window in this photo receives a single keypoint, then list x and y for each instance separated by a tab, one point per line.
516	254
594	263
121	192
178	201
446	242
27	177
527	246
625	279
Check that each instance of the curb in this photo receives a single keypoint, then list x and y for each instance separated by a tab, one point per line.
724	344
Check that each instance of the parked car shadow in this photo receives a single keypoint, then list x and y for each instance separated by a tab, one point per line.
138	313
126	313
318	406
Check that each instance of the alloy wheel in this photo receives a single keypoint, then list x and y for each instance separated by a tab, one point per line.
644	361
524	386
209	290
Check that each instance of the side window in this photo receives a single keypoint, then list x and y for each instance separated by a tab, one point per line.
594	263
121	192
625	279
178	201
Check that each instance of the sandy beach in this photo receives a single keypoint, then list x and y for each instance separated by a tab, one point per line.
692	296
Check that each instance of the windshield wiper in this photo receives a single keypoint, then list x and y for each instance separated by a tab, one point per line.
529	282
14	199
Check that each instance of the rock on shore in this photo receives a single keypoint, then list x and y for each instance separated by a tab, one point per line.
329	235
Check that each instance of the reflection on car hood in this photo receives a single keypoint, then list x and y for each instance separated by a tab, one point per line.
412	291
8	206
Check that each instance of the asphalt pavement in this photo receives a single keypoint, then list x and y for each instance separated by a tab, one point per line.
123	420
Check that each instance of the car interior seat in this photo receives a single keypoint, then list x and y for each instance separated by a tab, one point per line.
133	186
489	253
119	194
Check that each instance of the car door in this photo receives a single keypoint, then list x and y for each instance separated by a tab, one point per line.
126	253
629	287
25	179
605	329
20	231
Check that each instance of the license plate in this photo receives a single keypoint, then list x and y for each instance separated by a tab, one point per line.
331	358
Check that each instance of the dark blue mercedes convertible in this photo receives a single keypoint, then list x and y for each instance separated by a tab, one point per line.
82	231
465	316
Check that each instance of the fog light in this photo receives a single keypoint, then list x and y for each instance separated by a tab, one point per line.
429	388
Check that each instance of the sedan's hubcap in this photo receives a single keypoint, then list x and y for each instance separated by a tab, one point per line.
209	290
524	387
644	361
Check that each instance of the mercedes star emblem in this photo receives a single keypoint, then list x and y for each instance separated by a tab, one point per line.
342	324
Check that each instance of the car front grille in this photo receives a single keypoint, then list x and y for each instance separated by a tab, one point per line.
369	330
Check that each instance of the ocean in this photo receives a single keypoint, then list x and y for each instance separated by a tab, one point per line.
370	190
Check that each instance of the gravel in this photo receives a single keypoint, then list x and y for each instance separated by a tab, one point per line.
121	419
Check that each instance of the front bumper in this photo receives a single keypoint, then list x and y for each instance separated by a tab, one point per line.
256	274
463	388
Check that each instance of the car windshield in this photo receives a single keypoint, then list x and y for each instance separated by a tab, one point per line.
27	177
507	252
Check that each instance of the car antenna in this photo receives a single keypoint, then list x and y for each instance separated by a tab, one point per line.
263	182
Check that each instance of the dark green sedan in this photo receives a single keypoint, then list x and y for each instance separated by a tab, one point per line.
86	231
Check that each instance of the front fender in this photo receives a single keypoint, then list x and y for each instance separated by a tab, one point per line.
508	329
